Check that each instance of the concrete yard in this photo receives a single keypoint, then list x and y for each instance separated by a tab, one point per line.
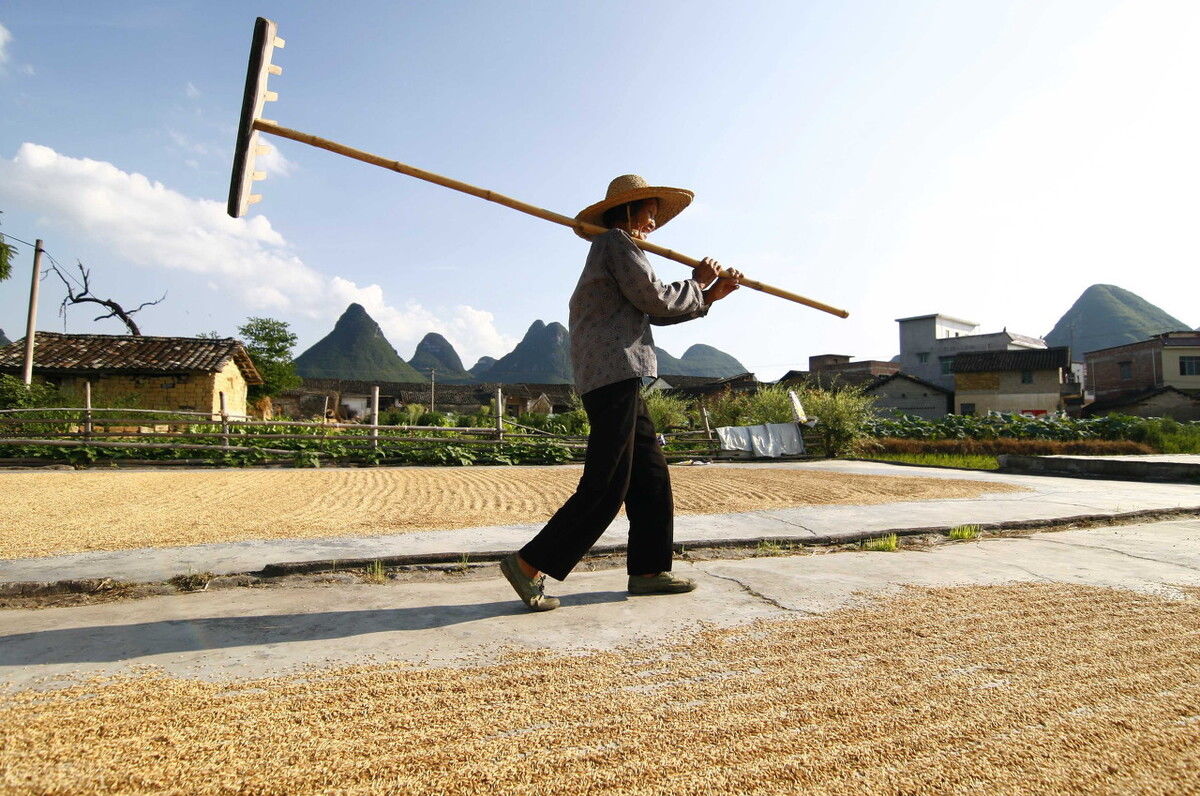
1058	662
1025	498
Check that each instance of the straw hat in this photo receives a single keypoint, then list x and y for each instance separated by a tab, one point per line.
631	188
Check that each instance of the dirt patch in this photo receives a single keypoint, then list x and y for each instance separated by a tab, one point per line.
52	513
1001	689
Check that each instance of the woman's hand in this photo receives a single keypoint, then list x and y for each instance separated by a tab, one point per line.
708	270
726	284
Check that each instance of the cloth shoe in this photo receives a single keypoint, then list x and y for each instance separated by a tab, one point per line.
662	583
530	590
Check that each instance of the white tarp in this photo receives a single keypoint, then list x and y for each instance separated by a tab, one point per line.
771	439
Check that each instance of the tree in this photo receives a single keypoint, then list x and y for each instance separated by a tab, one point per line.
269	343
7	253
84	296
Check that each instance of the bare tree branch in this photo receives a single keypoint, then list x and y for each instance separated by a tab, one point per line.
85	296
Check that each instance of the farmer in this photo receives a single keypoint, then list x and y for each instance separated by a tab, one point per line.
617	298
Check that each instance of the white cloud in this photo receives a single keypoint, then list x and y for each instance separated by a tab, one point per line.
187	144
28	70
5	38
274	163
152	226
191	90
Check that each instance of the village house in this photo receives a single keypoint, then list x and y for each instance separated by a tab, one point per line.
929	343
894	392
693	387
1031	382
186	374
1159	377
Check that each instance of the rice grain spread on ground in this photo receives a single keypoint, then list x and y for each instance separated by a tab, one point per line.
54	513
1042	688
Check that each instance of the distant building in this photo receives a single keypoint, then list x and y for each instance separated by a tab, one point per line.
743	382
894	393
1155	377
172	373
929	343
1028	382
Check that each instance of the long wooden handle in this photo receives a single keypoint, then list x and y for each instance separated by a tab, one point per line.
549	215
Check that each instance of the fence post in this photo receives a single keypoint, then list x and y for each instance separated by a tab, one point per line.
31	320
499	413
87	410
707	427
224	420
375	416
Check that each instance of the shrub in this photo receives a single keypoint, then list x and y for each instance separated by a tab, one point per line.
15	395
843	418
769	404
666	411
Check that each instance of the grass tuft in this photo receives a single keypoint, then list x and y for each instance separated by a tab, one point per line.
964	532
375	572
881	544
769	547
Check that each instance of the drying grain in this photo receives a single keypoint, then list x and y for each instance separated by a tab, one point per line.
52	513
999	689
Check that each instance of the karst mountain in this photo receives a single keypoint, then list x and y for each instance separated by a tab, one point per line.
1107	315
435	358
355	349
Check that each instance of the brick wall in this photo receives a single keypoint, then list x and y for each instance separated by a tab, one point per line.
1104	369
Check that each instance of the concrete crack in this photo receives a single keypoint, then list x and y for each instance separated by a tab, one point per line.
1119	552
789	522
752	592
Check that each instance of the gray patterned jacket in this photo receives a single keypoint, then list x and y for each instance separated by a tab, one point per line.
616	300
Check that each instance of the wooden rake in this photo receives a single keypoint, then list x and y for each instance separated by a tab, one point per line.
249	145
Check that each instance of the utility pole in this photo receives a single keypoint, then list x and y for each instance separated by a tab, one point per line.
432	382
31	323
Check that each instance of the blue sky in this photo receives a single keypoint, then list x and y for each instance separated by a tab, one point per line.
988	160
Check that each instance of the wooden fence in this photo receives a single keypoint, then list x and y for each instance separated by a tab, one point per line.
156	429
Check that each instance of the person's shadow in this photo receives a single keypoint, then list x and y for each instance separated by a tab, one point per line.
109	643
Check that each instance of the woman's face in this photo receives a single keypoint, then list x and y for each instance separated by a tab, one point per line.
641	222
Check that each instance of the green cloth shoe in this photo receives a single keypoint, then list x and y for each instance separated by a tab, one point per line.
662	583
530	590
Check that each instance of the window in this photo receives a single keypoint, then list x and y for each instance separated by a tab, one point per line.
1126	369
945	363
1027	377
1189	366
923	357
966	409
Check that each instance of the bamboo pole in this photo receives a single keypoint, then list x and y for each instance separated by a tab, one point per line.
268	126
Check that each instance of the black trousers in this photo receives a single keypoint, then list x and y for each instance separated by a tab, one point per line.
623	464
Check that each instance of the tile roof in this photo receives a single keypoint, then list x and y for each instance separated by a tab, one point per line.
1131	399
123	353
1029	359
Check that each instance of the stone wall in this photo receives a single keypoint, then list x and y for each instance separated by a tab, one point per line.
188	392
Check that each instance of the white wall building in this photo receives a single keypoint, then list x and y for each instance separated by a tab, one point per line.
928	344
